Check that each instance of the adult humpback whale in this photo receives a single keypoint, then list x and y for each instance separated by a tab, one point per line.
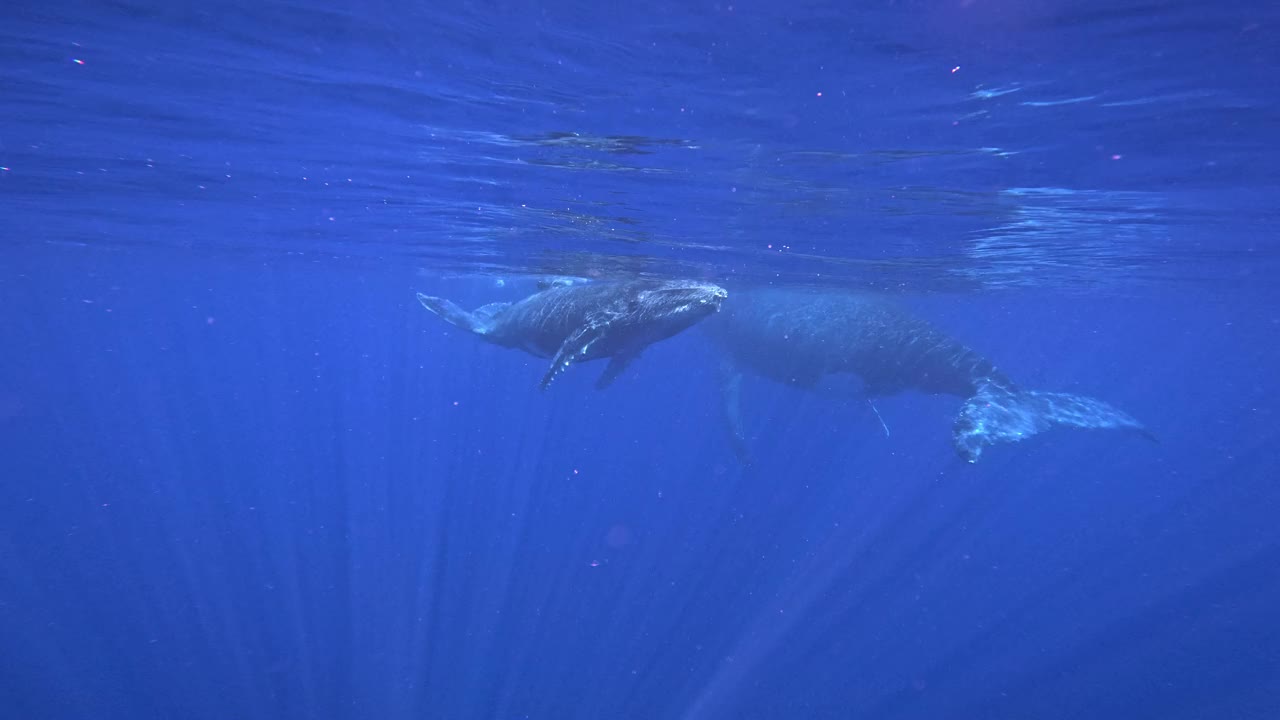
797	337
571	322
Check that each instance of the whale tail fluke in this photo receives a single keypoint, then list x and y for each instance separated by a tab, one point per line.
479	322
997	414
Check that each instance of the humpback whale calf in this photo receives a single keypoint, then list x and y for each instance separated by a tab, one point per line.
797	337
573	322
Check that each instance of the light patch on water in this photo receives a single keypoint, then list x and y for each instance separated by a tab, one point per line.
981	94
1153	99
1052	103
1106	236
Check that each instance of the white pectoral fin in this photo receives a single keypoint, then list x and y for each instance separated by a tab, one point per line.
574	348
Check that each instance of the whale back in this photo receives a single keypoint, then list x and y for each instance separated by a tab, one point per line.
796	337
540	322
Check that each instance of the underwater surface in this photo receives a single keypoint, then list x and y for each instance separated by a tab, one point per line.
246	474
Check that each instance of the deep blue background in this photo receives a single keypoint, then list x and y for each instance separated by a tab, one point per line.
245	475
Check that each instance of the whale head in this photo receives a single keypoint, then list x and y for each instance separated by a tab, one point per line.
674	305
680	298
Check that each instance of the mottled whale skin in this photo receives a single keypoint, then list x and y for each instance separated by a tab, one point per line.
798	337
572	322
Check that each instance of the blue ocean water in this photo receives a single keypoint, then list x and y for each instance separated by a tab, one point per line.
246	475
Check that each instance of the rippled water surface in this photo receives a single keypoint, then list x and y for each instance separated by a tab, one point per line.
941	145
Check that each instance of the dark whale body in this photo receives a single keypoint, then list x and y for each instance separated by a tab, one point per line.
797	337
577	322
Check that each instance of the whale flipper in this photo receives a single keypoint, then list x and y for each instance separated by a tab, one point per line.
479	322
998	414
617	365
575	347
731	409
